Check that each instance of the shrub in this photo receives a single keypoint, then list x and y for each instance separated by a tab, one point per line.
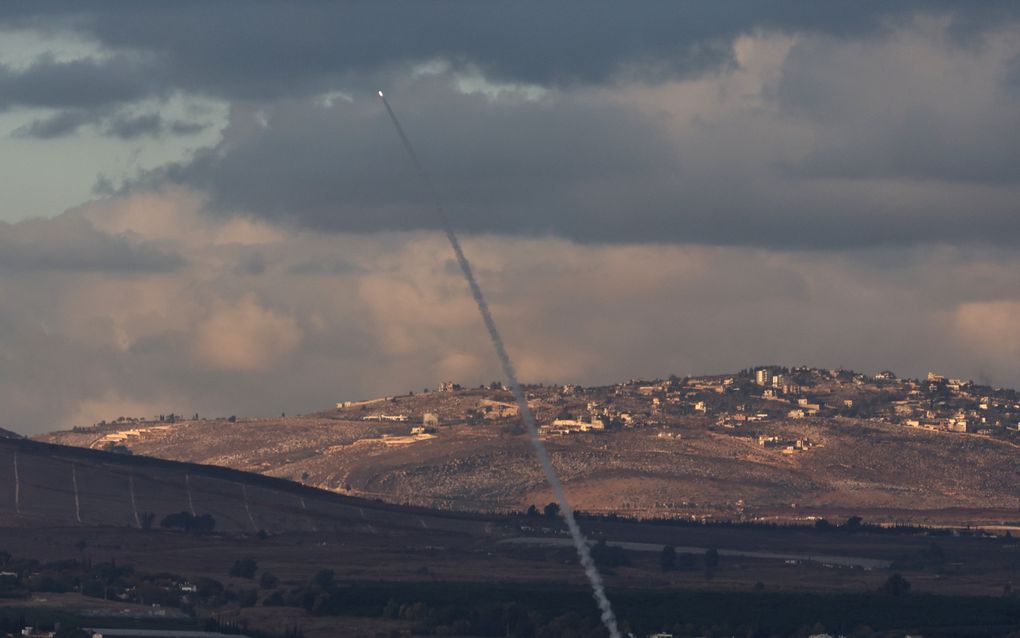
244	568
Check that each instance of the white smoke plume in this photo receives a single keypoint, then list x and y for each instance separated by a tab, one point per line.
580	543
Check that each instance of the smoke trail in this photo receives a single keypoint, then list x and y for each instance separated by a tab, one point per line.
17	486
77	503
580	543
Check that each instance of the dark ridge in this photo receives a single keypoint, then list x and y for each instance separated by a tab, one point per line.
29	446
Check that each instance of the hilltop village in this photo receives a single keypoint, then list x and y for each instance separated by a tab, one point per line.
750	400
769	443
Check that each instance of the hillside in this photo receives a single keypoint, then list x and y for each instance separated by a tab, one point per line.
765	444
48	485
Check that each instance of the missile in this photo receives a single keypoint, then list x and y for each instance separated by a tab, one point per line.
380	94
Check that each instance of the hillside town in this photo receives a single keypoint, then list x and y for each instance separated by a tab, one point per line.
770	443
749	400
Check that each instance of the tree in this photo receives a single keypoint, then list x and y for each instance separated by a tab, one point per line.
324	578
822	525
712	558
853	524
897	585
201	524
609	556
244	568
274	599
268	581
667	559
552	510
532	511
146	519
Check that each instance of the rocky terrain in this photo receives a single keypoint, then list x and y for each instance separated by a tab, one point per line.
770	444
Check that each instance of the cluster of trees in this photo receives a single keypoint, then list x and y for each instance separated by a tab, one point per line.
449	612
244	568
320	596
117	448
66	624
670	560
530	611
116	581
609	556
857	525
552	510
854	524
248	567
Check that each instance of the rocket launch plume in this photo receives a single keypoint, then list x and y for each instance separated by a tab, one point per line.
580	543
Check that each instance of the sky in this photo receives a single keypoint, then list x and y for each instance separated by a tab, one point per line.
206	208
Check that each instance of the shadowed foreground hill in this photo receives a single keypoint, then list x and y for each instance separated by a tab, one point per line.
350	566
51	485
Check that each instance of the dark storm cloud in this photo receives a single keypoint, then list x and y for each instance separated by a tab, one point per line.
129	127
59	125
575	164
879	113
84	83
336	168
586	169
1011	77
264	50
121	125
70	243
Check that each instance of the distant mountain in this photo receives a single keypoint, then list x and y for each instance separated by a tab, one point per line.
766	443
7	434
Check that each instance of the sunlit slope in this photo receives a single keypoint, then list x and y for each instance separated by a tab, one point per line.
689	467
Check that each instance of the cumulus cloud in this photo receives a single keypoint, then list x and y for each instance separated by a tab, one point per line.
992	329
216	337
803	144
71	243
685	189
245	336
918	106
